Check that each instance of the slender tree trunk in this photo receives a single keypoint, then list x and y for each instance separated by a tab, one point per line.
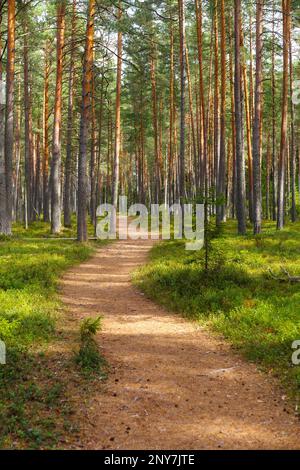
142	137
257	194
240	163
198	5
216	99
32	154
46	137
93	156
249	143
27	134
293	140
155	121
37	196
268	171
160	143
194	145
221	194
287	180
84	125
17	185
274	155
199	139
9	118
100	129
70	119
233	130
4	223
118	115
181	11
171	114
56	151
286	8
251	86
205	124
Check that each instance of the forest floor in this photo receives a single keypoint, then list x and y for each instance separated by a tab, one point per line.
172	384
34	410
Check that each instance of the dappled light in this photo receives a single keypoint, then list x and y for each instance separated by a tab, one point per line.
170	381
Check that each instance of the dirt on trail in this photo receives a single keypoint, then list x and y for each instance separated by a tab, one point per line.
172	384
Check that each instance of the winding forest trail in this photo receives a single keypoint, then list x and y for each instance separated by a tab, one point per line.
172	384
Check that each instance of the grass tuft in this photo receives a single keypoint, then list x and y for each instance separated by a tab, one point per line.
88	357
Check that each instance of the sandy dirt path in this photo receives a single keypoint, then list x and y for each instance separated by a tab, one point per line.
172	385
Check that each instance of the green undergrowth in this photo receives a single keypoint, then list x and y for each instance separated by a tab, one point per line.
237	296
88	357
31	393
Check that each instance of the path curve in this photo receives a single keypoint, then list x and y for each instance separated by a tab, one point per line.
172	385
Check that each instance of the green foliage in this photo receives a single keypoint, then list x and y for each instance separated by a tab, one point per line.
27	405
88	357
236	297
30	265
28	277
89	328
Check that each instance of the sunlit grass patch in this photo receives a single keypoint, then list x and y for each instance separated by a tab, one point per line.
237	297
30	267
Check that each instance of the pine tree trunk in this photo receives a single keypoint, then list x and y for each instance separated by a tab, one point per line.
82	234
155	123
240	163
274	155
286	7
194	145
27	133
93	156
17	191
221	193
216	101
143	197
116	176
4	223
69	152
251	92
249	143
293	140
256	148
37	196
233	132
100	129
56	150
9	118
181	14
204	176
268	172
46	198
171	118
